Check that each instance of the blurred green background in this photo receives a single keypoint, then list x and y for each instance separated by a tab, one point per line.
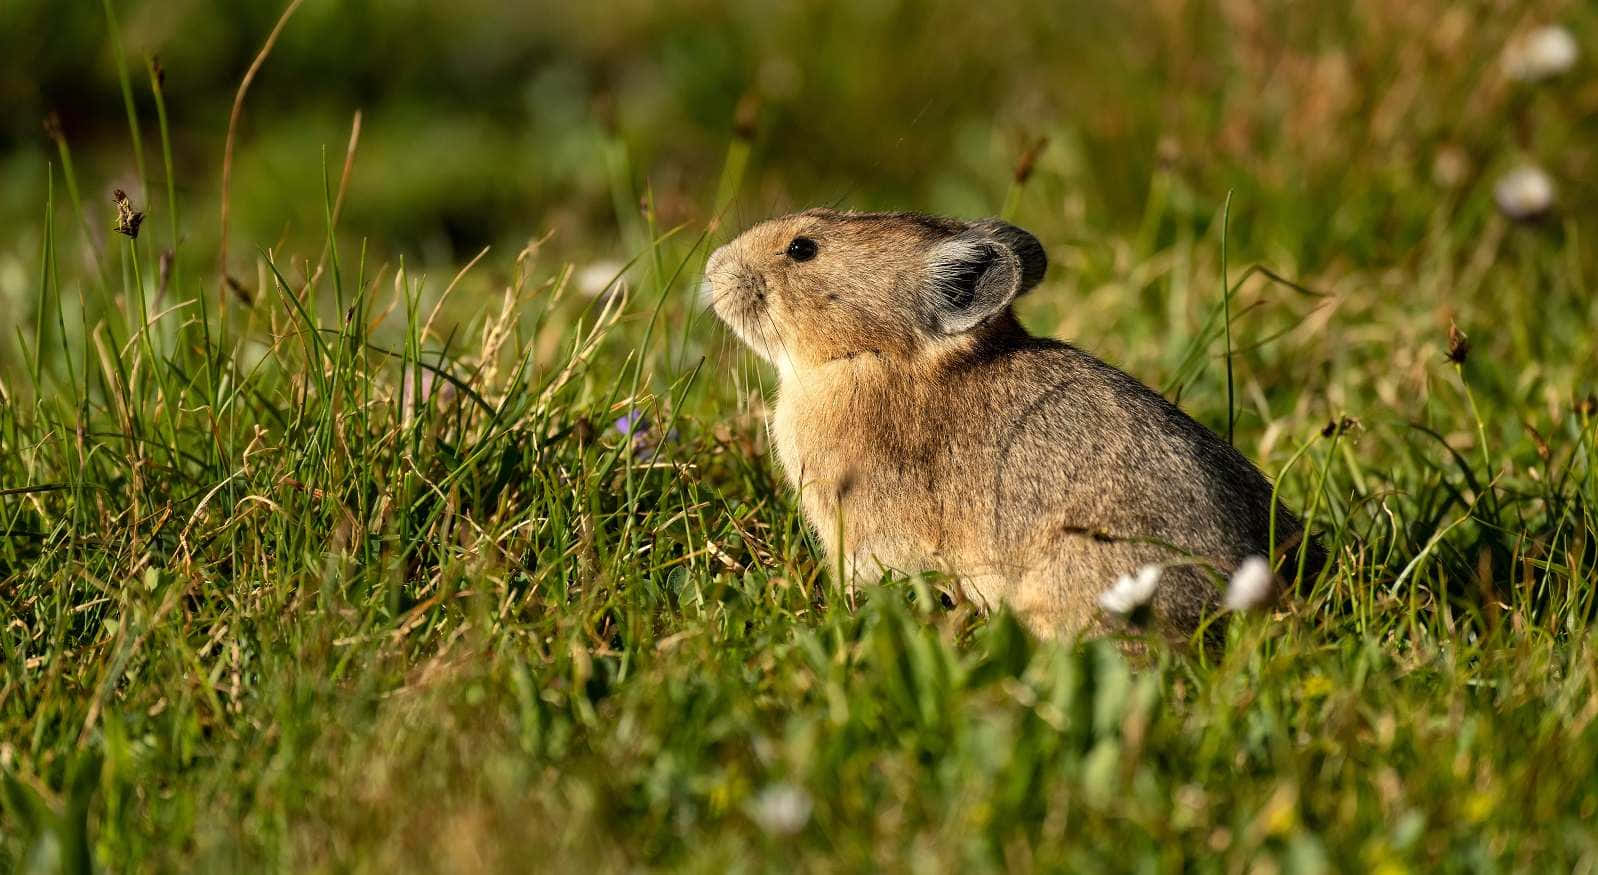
1342	127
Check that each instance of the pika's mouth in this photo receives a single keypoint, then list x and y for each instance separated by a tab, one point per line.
738	296
742	309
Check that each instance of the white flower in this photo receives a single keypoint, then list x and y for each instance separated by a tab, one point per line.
1251	586
781	809
1542	54
599	278
1524	193
1130	592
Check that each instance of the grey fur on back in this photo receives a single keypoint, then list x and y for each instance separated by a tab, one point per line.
1108	461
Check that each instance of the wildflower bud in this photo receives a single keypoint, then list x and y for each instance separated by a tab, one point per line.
1524	194
1458	345
1131	592
781	809
1252	585
1542	54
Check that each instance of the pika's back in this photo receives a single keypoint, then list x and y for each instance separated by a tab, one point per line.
1117	460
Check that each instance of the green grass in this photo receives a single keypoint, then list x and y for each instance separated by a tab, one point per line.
345	571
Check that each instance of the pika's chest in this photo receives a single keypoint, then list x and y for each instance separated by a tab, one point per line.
875	457
875	486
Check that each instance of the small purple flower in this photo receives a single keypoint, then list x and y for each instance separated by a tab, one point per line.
636	426
633	424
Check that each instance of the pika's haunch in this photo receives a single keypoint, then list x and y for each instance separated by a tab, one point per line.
926	430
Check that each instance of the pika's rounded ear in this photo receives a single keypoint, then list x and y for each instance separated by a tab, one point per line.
970	277
1027	249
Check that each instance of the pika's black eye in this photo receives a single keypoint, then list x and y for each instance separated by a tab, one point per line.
802	249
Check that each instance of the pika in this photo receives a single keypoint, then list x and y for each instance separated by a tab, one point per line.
926	431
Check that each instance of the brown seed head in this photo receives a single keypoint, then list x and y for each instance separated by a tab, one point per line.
745	117
239	290
1458	345
1029	160
128	219
1341	425
1543	451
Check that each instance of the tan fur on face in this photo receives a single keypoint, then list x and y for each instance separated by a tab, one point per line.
857	296
927	431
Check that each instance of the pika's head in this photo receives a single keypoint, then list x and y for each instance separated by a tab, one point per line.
823	285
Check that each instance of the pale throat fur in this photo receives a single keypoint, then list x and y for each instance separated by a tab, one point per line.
854	440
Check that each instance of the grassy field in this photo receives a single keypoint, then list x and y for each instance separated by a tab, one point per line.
379	554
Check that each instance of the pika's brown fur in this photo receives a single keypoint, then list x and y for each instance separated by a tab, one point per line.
927	431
